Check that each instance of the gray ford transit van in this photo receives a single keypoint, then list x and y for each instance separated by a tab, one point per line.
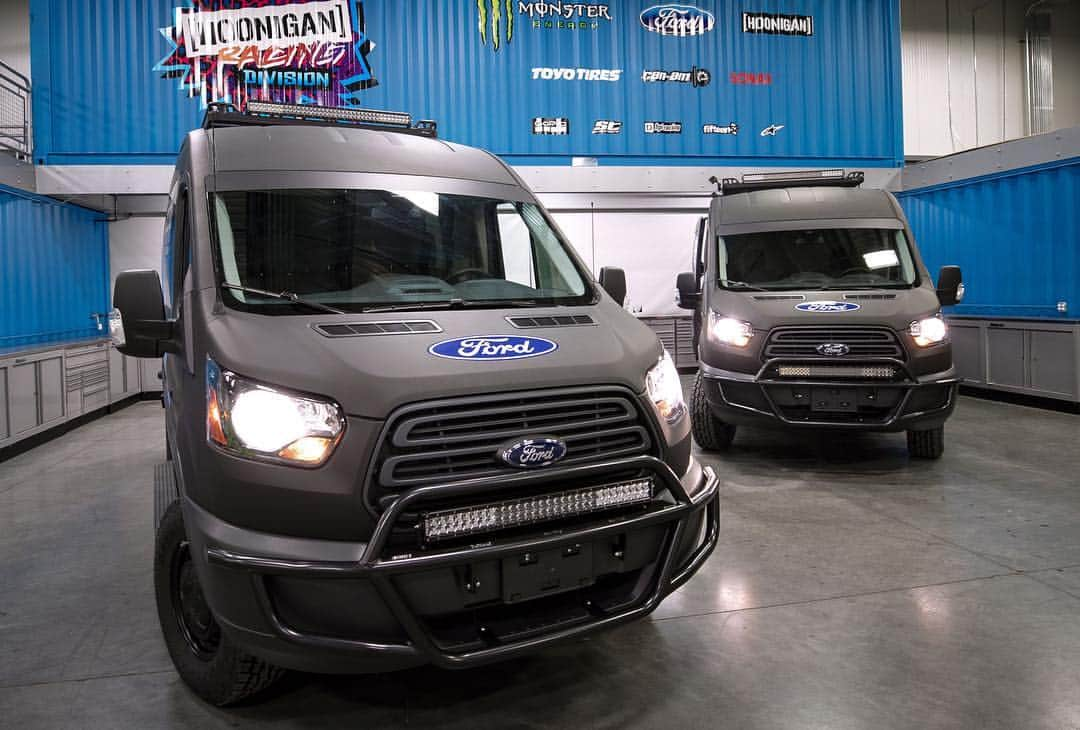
404	425
813	309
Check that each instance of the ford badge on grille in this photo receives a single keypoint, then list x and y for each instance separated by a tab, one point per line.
532	453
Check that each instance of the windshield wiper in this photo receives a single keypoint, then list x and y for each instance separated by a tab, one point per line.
415	306
742	285
287	295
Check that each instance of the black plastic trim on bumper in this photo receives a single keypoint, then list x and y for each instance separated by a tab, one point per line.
381	571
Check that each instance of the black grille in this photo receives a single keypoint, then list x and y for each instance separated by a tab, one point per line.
359	329
862	342
457	439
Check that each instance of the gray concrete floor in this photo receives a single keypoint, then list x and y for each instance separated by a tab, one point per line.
852	588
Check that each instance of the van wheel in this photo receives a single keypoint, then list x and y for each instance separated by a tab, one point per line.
208	662
929	444
710	432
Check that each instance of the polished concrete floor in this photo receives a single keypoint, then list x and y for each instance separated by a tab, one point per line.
852	588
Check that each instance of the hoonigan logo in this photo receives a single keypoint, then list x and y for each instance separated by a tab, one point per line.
496	17
291	51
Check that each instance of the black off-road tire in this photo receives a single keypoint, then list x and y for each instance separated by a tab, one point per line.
929	444
710	432
212	666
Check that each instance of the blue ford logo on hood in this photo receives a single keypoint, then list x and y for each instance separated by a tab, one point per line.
493	347
532	453
679	20
827	306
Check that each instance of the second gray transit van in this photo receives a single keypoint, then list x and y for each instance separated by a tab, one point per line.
813	309
404	425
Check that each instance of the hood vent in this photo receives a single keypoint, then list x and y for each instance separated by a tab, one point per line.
869	297
780	297
560	320
362	329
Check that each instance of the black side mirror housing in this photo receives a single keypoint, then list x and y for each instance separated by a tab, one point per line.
950	286
137	324
613	280
687	294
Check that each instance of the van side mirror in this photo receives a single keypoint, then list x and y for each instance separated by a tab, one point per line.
137	323
950	286
687	294
613	280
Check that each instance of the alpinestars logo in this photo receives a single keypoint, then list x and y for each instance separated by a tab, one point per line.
607	126
732	128
663	127
771	130
577	74
551	125
696	77
496	17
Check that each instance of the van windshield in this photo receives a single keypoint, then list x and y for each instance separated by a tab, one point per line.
384	249
822	258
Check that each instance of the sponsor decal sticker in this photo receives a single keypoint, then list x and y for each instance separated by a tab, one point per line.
493	347
771	130
291	52
778	24
663	127
551	125
607	126
495	19
827	306
576	74
742	78
695	77
677	20
533	453
732	128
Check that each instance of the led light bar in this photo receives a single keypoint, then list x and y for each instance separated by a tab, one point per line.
797	175
836	371
463	521
310	111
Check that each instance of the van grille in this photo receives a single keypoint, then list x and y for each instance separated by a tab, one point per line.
450	440
800	342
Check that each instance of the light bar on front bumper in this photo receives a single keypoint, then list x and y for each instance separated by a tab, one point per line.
463	521
836	371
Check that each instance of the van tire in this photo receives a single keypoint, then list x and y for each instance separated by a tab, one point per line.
210	664
929	444
710	432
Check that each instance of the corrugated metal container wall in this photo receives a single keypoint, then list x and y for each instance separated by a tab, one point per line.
1016	235
54	262
832	98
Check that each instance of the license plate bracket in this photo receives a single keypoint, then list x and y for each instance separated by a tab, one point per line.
546	572
834	400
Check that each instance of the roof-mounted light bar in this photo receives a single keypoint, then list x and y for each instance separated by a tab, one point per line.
794	179
220	114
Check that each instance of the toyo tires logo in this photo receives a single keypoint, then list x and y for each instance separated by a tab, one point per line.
827	306
493	347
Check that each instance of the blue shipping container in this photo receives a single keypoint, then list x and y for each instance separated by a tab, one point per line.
773	82
1015	234
54	262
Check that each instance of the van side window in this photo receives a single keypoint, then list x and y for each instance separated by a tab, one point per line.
515	241
181	253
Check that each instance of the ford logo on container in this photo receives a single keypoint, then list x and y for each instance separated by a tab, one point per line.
679	20
493	347
533	453
826	306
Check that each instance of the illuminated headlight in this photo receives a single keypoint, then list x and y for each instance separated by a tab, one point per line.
730	331
929	331
665	390
259	422
527	510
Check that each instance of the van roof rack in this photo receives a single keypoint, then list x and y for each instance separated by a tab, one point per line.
799	179
265	113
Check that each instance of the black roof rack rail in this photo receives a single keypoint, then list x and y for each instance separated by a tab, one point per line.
265	113
800	179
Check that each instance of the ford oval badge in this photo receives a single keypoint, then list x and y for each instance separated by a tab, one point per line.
833	349
677	20
533	453
827	306
493	347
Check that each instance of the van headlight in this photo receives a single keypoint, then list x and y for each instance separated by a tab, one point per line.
260	422
929	331
665	390
730	331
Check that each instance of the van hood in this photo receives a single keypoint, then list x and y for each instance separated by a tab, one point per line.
894	308
371	375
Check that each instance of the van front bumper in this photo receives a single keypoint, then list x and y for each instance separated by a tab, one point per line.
910	402
328	606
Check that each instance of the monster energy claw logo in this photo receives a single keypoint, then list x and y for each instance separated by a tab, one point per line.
496	20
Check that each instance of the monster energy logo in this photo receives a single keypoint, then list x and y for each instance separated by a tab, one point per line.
495	15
